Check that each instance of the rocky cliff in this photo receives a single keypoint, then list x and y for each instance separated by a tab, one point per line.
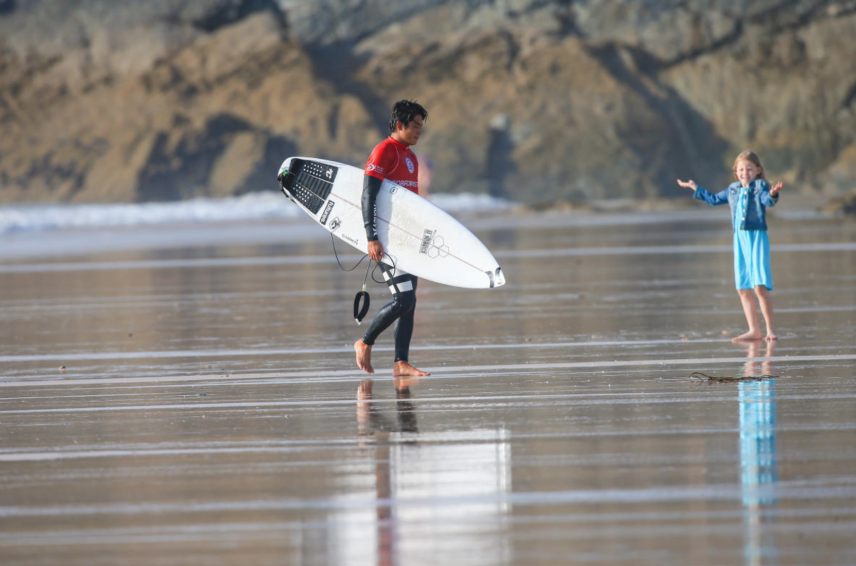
536	100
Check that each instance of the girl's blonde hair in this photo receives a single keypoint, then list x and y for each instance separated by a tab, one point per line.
751	157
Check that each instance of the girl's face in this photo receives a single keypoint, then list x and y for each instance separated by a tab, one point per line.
746	171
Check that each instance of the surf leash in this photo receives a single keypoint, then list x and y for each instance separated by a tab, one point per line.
360	313
363	297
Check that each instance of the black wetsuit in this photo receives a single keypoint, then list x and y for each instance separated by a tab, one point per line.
402	285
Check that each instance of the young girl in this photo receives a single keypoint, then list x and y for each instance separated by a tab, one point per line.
748	198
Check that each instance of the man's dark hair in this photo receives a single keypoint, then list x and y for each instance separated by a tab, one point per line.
405	111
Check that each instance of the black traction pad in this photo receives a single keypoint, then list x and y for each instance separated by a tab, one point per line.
309	182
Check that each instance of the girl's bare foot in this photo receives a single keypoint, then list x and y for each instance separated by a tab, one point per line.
751	335
364	356
404	369
771	335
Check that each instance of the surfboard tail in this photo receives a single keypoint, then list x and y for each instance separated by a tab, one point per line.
497	277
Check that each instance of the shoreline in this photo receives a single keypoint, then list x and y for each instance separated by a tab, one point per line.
62	243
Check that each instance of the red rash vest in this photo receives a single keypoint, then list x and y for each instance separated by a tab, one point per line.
394	161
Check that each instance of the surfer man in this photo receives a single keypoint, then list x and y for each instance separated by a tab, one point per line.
392	159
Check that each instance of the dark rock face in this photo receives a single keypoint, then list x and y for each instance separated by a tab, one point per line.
536	100
7	7
327	22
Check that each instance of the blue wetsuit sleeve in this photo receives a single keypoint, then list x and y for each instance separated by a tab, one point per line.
712	199
371	187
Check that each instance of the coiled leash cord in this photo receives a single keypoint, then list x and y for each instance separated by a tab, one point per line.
361	296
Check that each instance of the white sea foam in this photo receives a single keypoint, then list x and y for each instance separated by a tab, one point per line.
249	207
469	202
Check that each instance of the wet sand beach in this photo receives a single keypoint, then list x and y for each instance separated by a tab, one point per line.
195	399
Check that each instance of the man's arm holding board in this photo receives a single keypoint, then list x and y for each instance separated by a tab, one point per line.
371	188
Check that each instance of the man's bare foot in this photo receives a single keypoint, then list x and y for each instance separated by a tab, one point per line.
751	335
403	369
364	356
771	335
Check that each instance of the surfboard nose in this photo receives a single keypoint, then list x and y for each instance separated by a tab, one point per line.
280	177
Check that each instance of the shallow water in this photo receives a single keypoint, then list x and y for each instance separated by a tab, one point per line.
208	407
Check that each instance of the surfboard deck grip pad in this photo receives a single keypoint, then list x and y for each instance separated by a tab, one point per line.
309	183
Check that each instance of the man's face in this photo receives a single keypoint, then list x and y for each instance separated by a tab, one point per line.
409	134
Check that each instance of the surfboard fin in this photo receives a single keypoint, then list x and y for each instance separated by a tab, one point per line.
497	279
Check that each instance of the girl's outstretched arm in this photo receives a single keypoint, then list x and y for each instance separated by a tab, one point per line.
774	192
703	194
771	196
700	193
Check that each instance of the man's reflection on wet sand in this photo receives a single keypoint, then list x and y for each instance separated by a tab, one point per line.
758	457
372	422
469	471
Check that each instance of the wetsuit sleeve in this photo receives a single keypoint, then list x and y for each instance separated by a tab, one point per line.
371	187
376	168
710	198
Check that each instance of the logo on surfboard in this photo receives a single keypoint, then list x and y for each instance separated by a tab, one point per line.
426	241
326	213
334	224
433	245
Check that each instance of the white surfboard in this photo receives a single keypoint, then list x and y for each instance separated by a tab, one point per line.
417	236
